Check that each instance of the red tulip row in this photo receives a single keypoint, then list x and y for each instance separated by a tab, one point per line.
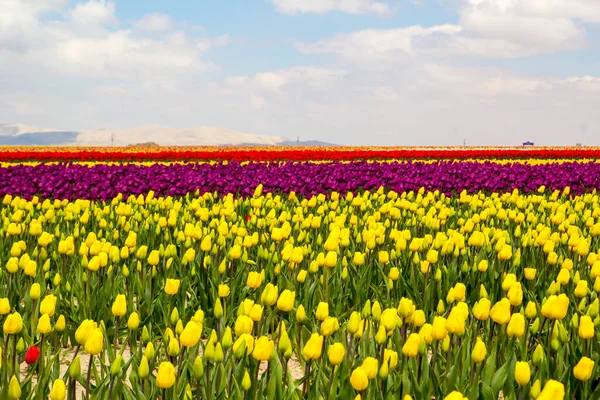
293	154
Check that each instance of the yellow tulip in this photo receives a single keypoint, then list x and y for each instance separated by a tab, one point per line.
48	305
93	345
190	336
263	349
58	391
586	327
522	373
411	346
4	306
165	378
322	311
552	390
254	279
119	307
479	351
359	379
371	367
223	290
286	300
13	324
172	286
516	325
313	347
500	312
336	353
44	326
329	326
583	370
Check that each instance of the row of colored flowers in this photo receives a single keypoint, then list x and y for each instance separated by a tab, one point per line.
276	153
372	296
107	181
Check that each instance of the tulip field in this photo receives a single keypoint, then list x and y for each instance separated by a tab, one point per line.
300	273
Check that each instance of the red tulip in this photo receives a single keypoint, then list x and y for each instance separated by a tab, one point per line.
32	355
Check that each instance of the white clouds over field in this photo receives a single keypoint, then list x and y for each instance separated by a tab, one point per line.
82	66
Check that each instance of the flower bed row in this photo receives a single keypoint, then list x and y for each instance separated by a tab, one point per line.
295	154
107	181
370	297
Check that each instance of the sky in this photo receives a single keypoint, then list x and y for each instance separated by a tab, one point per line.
354	72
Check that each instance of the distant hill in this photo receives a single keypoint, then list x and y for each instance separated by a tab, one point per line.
311	143
23	135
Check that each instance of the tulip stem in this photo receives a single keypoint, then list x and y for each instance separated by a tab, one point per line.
89	375
208	379
307	379
521	391
116	339
5	354
575	390
331	382
349	347
41	365
14	354
112	383
256	380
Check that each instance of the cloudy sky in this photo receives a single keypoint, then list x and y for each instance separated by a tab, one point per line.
381	72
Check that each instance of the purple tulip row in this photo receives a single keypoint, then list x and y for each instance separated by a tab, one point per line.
104	182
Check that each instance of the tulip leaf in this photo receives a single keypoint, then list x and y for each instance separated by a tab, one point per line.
489	368
473	392
501	377
485	392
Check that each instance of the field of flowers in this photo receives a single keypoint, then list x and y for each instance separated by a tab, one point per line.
186	273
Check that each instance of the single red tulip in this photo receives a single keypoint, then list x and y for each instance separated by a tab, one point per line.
32	355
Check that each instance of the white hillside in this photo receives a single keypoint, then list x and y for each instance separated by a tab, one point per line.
20	129
165	136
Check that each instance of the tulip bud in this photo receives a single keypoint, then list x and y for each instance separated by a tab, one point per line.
75	368
227	340
535	326
246	382
20	345
149	351
198	370
300	314
174	316
133	322
14	389
116	366
446	343
441	308
535	390
218	309
143	368
366	311
381	336
145	335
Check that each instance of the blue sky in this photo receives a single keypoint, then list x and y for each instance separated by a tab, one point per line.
397	72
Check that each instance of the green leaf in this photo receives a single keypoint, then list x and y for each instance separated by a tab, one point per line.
500	377
486	392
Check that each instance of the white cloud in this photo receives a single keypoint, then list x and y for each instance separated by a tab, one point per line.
275	81
89	42
257	101
376	45
486	28
94	12
154	22
325	6
582	82
405	86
